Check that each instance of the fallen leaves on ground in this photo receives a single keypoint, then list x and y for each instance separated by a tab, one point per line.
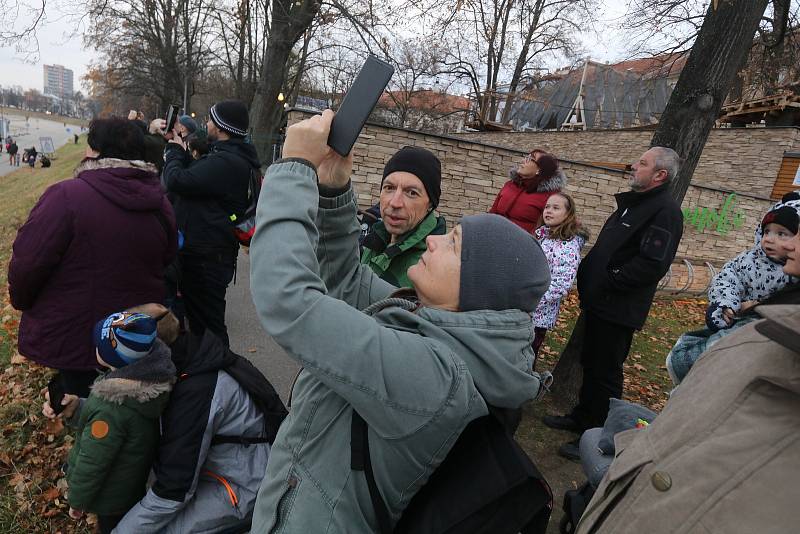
646	380
32	448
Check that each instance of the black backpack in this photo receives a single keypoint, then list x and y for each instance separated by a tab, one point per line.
486	484
244	227
575	503
263	395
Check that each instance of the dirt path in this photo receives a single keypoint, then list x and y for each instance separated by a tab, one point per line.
542	443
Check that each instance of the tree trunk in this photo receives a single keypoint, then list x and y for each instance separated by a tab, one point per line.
289	21
721	46
244	17
301	67
568	373
522	61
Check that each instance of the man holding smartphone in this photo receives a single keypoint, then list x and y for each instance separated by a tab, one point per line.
208	194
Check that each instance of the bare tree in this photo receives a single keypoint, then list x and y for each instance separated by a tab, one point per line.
365	23
417	63
496	43
20	21
719	51
150	47
721	40
290	19
545	26
238	33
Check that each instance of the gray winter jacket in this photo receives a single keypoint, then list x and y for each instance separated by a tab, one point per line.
202	487
416	375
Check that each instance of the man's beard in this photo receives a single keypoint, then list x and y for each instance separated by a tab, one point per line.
634	184
212	138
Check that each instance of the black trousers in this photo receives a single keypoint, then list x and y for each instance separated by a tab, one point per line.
106	523
203	282
604	350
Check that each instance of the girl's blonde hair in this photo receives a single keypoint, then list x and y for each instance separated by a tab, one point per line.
570	227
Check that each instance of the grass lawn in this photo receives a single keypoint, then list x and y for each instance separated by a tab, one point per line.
32	450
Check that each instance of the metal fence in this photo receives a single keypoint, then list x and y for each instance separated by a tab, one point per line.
687	278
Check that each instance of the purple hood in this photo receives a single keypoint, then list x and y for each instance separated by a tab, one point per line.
131	185
92	245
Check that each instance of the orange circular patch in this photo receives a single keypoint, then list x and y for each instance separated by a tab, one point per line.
99	429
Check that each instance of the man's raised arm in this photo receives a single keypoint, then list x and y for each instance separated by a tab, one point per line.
337	251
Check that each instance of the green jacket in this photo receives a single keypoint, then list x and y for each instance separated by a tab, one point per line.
118	433
413	373
391	262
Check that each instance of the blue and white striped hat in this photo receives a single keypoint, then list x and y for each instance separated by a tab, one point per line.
124	338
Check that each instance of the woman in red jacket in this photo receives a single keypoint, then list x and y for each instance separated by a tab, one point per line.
522	199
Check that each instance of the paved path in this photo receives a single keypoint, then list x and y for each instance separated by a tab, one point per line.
27	134
248	337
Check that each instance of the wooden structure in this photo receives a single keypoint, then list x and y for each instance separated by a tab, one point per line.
483	114
576	118
757	109
788	175
599	96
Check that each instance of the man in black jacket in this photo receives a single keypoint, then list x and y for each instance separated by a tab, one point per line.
209	194
617	281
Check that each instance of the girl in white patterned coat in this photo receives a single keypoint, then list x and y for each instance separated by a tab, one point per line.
562	238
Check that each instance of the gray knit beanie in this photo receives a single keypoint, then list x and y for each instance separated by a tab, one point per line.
502	266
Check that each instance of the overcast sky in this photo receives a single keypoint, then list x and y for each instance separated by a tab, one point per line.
57	47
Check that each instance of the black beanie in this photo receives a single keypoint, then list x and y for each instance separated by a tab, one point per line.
502	266
785	216
421	163
231	116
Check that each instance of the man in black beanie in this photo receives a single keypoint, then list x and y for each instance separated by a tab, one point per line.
410	192
209	194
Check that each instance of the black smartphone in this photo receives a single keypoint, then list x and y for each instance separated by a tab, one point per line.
358	103
172	116
56	392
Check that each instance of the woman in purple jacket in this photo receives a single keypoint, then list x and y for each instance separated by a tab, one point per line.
93	244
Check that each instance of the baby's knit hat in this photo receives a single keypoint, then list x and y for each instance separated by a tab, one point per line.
784	215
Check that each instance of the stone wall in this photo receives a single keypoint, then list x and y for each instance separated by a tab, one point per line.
745	160
473	173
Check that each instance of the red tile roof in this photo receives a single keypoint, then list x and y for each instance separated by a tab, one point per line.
665	64
426	99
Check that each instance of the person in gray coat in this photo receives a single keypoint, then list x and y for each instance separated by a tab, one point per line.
214	444
417	365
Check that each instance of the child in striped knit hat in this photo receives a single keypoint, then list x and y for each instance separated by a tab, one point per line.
118	425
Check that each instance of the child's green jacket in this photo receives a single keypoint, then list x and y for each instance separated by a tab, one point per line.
118	433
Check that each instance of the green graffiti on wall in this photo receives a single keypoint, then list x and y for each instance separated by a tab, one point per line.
720	221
